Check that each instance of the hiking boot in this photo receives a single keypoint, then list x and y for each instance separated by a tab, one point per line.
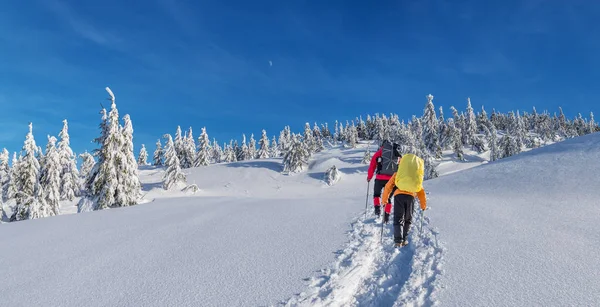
377	211
404	243
386	218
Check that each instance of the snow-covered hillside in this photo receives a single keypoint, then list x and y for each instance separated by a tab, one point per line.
522	231
515	232
248	237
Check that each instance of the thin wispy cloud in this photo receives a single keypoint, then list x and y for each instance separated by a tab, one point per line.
79	24
181	15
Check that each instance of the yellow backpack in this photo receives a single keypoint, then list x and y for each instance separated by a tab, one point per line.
410	173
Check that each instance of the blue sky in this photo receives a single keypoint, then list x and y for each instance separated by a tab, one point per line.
206	63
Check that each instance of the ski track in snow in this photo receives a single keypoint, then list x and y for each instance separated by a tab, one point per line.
368	272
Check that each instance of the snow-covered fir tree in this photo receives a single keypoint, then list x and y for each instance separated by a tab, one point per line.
591	124
11	190
351	136
243	152
4	174
87	165
173	175
129	177
157	158
263	151
179	145
27	181
50	179
203	156
332	175
309	140
114	181
274	148
492	140
143	156
188	150
430	131
317	131
508	146
252	147
367	156
69	176
470	127
296	157
217	152
229	153
456	140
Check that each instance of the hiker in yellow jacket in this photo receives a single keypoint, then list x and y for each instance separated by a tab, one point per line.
408	181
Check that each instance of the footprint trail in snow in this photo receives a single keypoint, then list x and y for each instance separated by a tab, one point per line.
368	272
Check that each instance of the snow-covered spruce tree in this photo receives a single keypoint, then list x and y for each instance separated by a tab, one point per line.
431	125
86	166
351	136
470	124
243	152
4	175
508	146
173	175
179	145
362	129
319	146
317	131
263	150
143	156
115	173
458	124
332	175
252	147
204	151
188	150
50	179
27	181
492	140
157	159
325	131
591	124
217	152
229	153
130	179
296	157
70	185
367	156
562	124
13	181
274	148
309	140
456	141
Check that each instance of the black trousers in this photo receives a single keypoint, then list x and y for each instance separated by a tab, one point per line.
378	190
403	211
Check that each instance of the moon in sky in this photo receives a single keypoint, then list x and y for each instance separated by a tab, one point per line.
270	63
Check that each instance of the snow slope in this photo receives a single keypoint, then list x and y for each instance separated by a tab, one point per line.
248	237
522	231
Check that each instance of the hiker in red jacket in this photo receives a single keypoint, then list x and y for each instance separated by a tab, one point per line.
384	163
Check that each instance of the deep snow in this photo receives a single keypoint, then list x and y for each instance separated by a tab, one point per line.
522	231
515	232
248	237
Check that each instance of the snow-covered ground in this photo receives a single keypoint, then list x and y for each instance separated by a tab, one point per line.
515	232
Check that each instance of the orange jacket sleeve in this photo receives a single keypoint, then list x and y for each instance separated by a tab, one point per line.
422	199
389	186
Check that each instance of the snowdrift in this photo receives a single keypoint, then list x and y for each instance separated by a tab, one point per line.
522	231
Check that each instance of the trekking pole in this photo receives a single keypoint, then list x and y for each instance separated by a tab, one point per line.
367	200
382	225
421	230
